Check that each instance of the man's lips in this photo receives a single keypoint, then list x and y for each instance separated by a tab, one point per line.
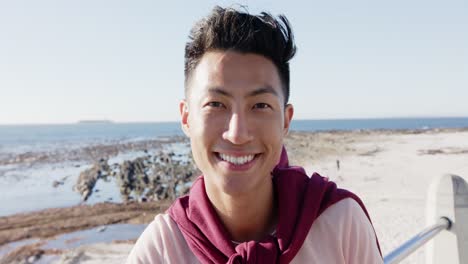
237	159
238	153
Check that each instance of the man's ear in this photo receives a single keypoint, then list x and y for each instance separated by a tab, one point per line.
184	113
288	115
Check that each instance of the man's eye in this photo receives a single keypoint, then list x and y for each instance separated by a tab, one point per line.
261	106
215	104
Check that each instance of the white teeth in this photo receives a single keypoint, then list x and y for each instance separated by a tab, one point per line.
236	160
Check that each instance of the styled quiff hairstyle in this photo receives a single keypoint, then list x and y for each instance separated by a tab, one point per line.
229	29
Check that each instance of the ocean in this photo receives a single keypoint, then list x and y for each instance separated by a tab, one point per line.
20	138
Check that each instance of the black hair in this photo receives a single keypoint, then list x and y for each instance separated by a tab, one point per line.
229	29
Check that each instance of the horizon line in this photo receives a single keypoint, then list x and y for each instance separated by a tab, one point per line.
110	121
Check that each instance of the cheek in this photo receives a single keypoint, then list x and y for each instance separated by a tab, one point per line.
271	126
203	133
197	152
210	127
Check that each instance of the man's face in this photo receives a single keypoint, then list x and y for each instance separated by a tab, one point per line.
235	117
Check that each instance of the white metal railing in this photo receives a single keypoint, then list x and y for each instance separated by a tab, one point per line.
417	241
447	204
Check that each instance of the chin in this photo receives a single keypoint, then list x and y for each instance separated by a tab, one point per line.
238	185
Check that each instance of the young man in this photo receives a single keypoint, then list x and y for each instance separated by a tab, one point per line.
250	206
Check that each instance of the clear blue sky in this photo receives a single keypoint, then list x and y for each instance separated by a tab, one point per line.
63	61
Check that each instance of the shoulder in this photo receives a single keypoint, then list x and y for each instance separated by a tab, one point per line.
341	234
161	242
342	222
345	214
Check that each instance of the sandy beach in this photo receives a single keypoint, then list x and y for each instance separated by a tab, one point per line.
390	170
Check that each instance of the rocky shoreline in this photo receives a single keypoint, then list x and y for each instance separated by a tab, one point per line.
87	153
147	178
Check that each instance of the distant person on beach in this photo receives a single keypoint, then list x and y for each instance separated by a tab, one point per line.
250	206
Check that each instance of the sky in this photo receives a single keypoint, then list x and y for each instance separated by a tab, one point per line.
65	61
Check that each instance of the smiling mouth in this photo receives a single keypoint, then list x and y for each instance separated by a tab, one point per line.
236	160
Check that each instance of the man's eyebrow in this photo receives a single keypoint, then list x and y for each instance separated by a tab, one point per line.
259	91
220	91
263	90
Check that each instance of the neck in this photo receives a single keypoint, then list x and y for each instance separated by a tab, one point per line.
246	216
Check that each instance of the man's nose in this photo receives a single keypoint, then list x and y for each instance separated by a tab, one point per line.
238	131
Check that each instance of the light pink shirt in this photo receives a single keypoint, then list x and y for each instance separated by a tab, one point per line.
341	234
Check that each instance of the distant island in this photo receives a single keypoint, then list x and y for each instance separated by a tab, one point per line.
103	121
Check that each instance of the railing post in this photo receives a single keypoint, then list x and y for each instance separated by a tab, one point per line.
448	196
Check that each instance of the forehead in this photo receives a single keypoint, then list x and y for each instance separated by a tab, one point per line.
235	72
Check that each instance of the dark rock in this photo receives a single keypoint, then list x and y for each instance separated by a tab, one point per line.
158	177
55	184
88	178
